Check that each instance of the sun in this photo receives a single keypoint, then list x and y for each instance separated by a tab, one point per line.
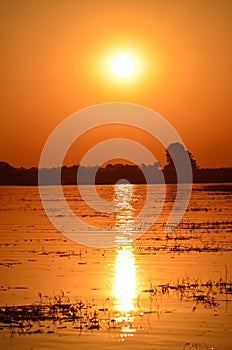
123	65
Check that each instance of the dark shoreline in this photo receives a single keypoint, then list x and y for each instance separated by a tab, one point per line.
10	176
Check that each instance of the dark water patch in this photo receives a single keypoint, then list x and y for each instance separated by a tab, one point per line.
217	188
198	209
10	263
197	346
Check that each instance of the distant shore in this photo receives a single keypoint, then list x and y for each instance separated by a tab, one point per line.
108	175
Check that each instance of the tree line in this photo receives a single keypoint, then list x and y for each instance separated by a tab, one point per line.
111	173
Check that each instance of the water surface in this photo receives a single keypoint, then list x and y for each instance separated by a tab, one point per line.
163	291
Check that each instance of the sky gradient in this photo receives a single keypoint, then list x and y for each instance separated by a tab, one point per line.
56	58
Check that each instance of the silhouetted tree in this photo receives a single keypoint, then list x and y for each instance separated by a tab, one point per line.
176	155
5	165
177	149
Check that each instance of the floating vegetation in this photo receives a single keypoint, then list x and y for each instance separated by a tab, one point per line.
197	346
50	315
207	236
205	294
60	313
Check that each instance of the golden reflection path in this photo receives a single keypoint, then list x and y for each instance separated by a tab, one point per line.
125	280
125	268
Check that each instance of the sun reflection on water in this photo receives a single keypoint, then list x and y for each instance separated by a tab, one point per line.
125	280
125	269
124	221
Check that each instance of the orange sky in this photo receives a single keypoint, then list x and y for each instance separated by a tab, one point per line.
55	60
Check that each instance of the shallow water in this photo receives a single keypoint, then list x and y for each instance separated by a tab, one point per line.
163	291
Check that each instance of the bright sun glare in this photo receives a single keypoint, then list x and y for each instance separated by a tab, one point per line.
123	65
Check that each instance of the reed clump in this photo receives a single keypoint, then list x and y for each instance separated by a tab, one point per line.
50	314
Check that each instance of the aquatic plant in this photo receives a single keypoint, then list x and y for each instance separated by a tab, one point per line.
59	312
